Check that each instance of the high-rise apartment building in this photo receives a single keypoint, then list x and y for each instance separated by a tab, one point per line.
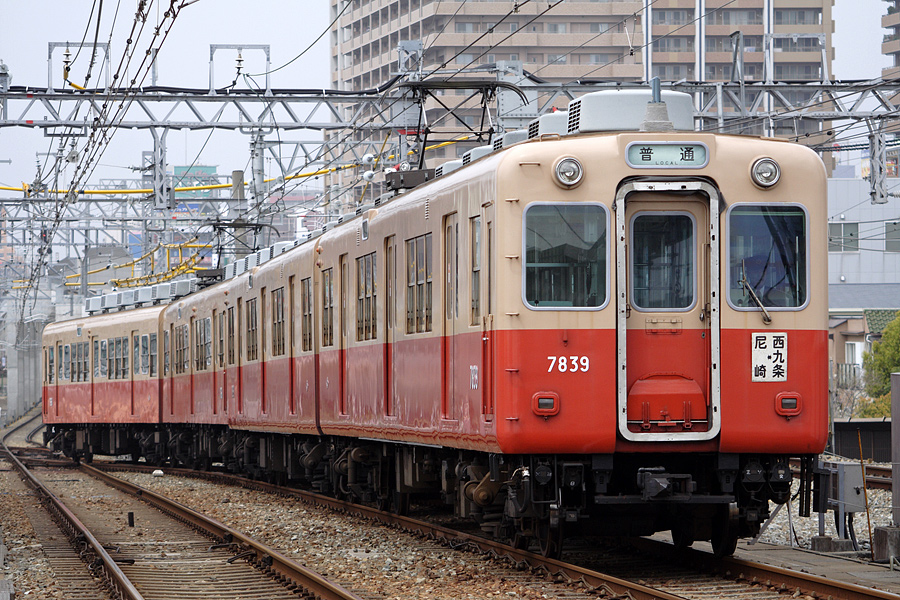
891	45
604	39
599	40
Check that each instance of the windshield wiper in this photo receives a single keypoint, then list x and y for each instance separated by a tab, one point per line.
766	317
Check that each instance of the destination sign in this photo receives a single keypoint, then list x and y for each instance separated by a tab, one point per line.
665	155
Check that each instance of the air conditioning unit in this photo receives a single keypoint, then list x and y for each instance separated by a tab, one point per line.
127	298
476	153
626	110
162	291
180	288
509	138
92	305
557	122
280	247
448	167
144	294
263	255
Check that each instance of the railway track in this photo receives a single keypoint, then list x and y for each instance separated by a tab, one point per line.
160	557
649	573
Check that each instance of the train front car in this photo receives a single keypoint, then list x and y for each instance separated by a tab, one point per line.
660	342
101	383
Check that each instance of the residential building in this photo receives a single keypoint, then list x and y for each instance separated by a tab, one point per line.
587	40
599	39
891	45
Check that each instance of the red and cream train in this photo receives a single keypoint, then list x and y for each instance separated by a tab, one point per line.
613	330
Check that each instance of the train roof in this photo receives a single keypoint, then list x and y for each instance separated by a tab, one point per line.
607	112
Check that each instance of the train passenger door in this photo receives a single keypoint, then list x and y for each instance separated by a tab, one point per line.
344	350
390	315
451	313
667	316
219	361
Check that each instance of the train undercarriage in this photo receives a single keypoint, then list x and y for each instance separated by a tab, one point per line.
525	499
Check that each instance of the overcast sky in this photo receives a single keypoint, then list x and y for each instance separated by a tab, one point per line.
288	26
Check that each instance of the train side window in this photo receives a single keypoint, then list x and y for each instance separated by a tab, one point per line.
306	314
76	367
103	359
328	307
125	358
136	337
220	339
186	352
278	322
165	353
59	363
366	311
196	342
145	354
230	335
179	351
51	365
111	359
67	357
96	358
207	342
153	354
475	286
116	371
418	284
252	340
767	248
390	272
565	247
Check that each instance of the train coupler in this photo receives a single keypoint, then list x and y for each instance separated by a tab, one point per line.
656	484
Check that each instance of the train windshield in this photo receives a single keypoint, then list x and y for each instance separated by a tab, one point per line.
767	250
565	256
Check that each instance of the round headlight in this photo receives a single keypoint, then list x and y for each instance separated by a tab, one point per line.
569	172
765	172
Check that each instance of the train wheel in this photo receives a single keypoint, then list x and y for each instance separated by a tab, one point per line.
725	532
524	533
681	538
400	503
549	537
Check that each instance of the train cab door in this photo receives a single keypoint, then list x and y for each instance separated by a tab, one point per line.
482	285
450	311
668	311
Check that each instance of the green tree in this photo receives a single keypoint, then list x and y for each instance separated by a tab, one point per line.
883	360
874	407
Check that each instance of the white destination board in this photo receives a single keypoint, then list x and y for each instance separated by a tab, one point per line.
769	356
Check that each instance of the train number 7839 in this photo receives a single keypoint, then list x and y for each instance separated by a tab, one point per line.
569	364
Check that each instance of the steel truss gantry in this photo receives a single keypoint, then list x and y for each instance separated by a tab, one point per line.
734	107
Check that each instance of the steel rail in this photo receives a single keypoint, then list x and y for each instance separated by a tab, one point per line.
612	586
738	568
76	531
806	583
265	557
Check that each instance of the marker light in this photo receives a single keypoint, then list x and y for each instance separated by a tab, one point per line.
765	172
569	172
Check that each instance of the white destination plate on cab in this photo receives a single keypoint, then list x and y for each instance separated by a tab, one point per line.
666	155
